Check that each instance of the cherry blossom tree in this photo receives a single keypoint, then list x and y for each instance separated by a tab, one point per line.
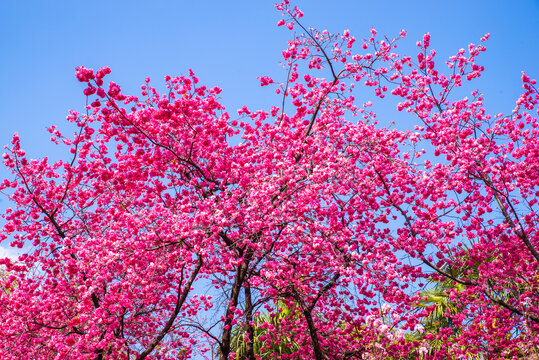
171	223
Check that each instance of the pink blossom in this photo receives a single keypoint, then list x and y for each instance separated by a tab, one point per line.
265	80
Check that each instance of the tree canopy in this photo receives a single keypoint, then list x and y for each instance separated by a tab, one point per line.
171	225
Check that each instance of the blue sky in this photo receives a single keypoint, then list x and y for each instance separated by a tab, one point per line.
227	44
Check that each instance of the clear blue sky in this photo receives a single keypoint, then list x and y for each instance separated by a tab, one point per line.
228	44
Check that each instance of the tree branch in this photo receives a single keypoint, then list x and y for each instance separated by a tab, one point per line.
179	303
